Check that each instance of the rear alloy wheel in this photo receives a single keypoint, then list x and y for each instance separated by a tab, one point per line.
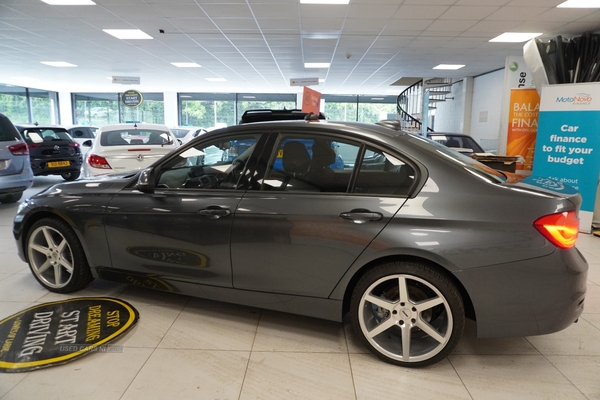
407	313
70	176
56	257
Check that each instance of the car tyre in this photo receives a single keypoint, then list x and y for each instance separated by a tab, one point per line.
56	256
70	176
10	198
407	313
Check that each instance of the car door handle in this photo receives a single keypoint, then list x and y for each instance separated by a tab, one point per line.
361	216
214	212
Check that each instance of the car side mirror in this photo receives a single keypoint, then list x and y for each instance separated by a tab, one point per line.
145	181
87	143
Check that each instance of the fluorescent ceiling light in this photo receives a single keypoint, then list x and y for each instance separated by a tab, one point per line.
216	79
515	37
449	66
186	64
185	96
580	4
377	98
23	78
249	97
317	65
127	33
69	2
324	1
59	64
321	80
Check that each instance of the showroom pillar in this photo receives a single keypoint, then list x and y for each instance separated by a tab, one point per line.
65	108
171	109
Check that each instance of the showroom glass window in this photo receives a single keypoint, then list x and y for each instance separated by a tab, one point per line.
215	164
258	101
151	111
359	108
97	109
207	110
24	105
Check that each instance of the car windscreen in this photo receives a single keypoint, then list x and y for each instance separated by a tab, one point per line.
38	135
135	137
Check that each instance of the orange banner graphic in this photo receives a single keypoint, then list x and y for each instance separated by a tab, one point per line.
311	101
522	127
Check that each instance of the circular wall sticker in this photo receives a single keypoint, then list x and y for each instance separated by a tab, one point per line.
132	98
55	333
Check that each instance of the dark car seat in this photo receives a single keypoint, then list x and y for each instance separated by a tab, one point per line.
295	161
320	172
115	139
156	138
452	143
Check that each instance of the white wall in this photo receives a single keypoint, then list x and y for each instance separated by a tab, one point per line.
449	114
487	108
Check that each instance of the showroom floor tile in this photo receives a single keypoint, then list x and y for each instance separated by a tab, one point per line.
184	348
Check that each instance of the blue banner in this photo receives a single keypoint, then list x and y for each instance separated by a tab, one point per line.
568	141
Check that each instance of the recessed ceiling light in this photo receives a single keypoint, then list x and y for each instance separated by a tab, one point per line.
324	1
186	64
216	79
377	98
23	78
515	37
69	2
321	80
249	97
580	4
448	66
60	64
185	96
317	65
127	33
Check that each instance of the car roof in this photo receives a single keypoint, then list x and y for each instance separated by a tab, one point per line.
138	125
39	126
260	115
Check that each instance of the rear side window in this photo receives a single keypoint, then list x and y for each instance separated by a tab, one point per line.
383	174
320	163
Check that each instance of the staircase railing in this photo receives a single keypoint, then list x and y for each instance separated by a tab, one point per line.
410	102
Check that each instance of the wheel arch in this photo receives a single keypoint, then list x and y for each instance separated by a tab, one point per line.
468	303
33	218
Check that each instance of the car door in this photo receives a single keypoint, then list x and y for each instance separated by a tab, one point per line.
180	231
309	221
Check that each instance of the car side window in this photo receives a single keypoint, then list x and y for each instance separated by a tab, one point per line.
216	164
312	163
383	174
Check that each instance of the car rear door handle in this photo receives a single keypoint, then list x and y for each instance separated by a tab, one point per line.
361	216
214	212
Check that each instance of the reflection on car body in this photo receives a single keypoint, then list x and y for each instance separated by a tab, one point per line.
409	238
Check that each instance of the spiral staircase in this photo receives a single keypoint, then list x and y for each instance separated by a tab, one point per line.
410	101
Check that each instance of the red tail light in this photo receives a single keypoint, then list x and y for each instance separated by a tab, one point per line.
33	146
98	162
560	229
74	144
20	149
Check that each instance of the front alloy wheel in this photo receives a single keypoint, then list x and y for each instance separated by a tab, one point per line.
407	313
56	257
